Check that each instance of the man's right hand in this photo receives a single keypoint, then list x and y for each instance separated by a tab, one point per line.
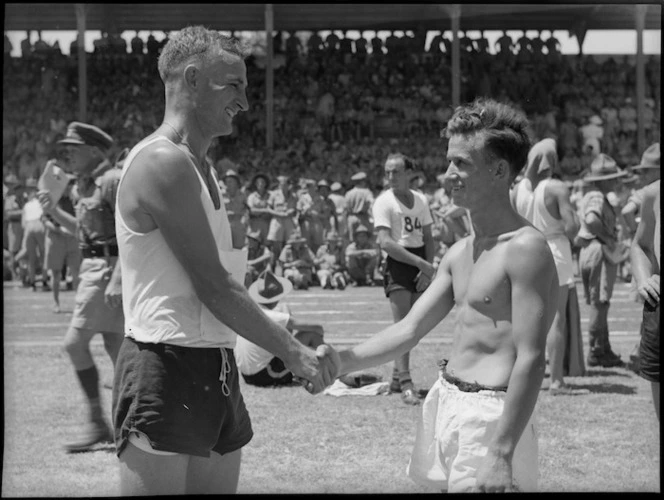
649	291
318	371
44	197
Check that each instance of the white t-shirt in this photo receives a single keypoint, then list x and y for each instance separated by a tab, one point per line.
405	223
249	357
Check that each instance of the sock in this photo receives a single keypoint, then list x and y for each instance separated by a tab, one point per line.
89	379
405	381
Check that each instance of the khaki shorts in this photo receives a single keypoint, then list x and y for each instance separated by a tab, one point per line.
90	309
280	229
60	249
453	437
598	274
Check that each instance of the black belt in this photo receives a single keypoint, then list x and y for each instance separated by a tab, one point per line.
467	386
100	251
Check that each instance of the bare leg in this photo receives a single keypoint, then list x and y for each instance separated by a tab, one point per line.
400	303
218	474
143	473
55	286
556	339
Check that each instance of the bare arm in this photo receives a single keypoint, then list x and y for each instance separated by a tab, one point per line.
534	297
159	183
429	310
644	265
397	252
566	210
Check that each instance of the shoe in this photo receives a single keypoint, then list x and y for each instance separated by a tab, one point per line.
93	433
395	386
410	397
566	390
56	309
604	361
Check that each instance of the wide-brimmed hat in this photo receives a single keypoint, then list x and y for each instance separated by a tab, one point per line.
88	135
336	186
603	168
332	235
323	183
360	176
650	158
269	288
231	173
596	120
362	229
11	180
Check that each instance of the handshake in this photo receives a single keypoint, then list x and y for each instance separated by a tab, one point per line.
318	369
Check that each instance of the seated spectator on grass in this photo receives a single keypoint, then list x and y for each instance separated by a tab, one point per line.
257	366
297	262
362	257
330	263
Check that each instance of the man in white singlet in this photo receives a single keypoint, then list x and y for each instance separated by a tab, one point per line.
179	418
548	208
402	221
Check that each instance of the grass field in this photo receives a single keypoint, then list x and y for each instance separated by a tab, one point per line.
607	441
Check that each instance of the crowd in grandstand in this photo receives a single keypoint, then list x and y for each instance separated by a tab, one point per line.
341	105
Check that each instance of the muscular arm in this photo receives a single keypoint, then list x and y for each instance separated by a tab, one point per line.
644	266
154	187
534	295
429	310
566	210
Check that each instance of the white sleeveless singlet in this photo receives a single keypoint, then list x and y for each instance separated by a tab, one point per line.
158	298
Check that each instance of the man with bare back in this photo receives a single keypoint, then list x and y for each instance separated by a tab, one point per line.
477	431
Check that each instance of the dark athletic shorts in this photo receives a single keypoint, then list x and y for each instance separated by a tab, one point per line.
399	275
173	395
275	374
649	345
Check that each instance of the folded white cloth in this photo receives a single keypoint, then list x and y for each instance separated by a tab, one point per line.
340	389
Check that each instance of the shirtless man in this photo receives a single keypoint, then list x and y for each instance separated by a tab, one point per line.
479	414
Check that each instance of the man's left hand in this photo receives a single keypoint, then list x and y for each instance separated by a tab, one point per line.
494	475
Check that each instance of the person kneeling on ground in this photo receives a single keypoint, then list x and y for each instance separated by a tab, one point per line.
258	366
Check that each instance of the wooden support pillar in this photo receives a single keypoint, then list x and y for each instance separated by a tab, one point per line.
269	78
82	63
640	18
455	14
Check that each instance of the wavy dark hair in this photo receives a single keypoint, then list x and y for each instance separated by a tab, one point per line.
506	130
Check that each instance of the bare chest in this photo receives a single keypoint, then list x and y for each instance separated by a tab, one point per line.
481	283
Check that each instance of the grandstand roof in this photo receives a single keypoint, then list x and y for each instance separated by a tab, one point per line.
251	17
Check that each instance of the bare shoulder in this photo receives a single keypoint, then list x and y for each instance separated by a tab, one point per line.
161	166
528	252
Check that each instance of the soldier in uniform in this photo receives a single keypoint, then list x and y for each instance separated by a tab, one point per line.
98	296
359	200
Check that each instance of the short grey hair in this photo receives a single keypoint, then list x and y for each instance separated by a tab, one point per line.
195	41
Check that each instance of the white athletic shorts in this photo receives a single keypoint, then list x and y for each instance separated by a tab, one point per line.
453	436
